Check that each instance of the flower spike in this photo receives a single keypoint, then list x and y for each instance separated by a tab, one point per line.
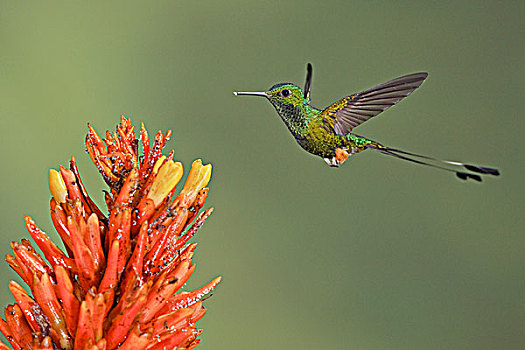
117	282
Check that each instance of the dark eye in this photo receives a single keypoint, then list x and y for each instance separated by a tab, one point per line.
285	93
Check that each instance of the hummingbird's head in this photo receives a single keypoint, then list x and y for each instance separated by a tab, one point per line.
282	93
286	94
290	101
287	98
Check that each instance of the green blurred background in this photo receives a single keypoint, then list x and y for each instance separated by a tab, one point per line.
378	254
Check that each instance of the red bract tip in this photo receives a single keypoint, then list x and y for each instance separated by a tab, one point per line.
117	284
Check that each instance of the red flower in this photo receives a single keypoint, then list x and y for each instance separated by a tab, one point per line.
117	285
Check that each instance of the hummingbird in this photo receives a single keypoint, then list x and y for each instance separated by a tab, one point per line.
327	133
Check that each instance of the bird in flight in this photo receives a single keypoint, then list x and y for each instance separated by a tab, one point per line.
328	134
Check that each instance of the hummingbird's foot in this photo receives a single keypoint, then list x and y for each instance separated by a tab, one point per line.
331	162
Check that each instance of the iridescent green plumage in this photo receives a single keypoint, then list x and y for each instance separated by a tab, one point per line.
312	128
327	133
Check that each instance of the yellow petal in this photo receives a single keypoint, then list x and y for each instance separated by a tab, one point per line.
158	163
167	178
204	177
57	186
193	175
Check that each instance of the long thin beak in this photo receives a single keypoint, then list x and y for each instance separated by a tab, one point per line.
251	93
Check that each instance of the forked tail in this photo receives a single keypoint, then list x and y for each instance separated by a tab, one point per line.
463	175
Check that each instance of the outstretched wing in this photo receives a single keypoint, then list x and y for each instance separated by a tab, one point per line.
351	111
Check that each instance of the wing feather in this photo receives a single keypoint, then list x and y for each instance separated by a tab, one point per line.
356	109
